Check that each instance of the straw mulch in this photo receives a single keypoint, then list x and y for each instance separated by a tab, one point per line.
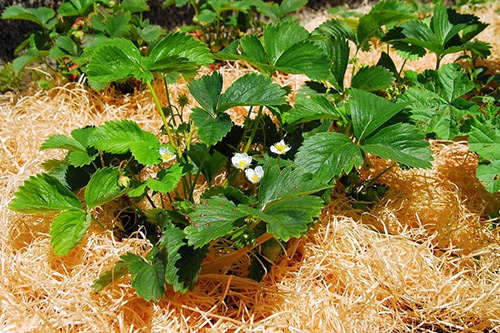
422	259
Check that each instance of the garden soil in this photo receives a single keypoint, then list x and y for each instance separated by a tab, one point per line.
420	260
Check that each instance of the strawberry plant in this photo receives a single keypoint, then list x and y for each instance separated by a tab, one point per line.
63	35
445	33
437	104
265	182
218	23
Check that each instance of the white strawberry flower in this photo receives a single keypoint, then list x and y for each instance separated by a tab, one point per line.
241	160
280	148
166	154
254	175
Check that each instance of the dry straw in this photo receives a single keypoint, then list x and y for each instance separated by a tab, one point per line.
421	260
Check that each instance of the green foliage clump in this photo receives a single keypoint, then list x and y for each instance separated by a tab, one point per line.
219	22
268	180
9	79
62	35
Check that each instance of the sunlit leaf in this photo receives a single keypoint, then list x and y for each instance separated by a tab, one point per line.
123	136
148	279
213	218
103	187
211	129
402	143
327	155
369	112
43	194
67	230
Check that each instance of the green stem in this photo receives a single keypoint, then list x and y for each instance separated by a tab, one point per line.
193	184
168	100
402	67
367	183
164	119
254	130
98	223
354	64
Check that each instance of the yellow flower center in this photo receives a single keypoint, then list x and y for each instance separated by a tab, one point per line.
280	148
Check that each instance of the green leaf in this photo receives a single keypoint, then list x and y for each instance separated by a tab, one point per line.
79	158
122	136
402	143
82	134
183	263
78	155
337	29
42	16
442	25
489	175
290	182
290	218
106	278
436	106
167	179
43	194
372	78
103	187
213	218
340	58
210	164
211	130
281	36
382	14
408	52
137	191
150	33
313	108
327	155
450	82
447	32
206	16
288	6
67	230
148	279
484	139
207	91
369	112
252	49
252	89
60	141
118	25
304	57
172	241
284	48
30	57
146	150
134	6
113	60
179	46
64	47
75	8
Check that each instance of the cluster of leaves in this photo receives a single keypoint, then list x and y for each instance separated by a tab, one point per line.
62	35
329	130
9	79
218	23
